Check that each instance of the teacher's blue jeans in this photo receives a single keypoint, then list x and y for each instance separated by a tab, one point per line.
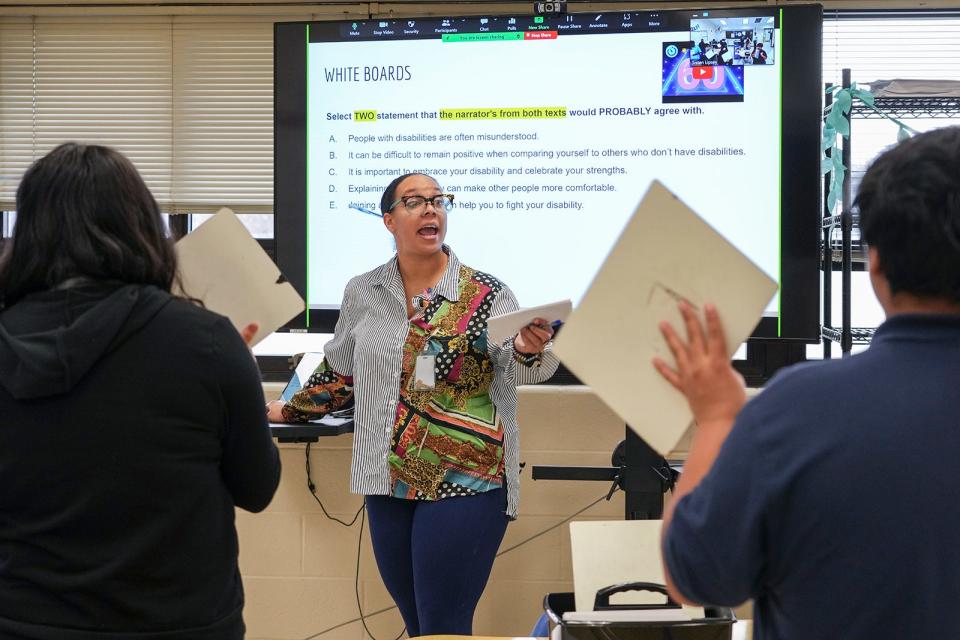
435	557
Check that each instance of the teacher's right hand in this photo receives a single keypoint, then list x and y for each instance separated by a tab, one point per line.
275	411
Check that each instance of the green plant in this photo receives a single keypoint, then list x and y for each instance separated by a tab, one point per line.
836	122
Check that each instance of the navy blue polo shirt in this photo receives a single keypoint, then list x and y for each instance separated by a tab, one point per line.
835	501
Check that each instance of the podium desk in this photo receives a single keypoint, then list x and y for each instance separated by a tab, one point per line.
310	431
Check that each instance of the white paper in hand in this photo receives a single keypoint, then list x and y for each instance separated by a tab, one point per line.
665	254
499	328
222	265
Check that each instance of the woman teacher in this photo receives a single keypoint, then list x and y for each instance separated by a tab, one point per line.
436	444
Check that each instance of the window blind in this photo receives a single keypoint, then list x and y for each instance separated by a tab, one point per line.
106	81
223	114
891	44
188	98
16	103
886	45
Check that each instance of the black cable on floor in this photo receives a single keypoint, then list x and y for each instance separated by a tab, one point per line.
551	528
313	491
361	513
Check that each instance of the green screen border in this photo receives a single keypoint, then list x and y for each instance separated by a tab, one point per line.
780	52
307	81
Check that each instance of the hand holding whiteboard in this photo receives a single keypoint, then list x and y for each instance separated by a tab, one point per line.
613	334
499	328
222	265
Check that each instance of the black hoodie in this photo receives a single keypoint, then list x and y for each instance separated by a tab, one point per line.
131	423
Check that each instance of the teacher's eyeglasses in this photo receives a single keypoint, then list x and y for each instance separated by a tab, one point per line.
417	204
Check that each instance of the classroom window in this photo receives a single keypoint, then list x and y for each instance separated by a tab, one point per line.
260	225
7	220
188	98
875	46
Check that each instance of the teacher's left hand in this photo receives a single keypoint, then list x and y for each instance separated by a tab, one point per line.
533	337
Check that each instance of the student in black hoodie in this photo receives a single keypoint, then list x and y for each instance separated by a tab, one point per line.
131	421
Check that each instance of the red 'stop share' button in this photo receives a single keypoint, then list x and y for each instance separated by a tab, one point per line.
540	35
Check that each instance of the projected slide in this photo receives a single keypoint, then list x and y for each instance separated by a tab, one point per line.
547	137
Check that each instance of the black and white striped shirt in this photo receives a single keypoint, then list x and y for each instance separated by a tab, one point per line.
368	345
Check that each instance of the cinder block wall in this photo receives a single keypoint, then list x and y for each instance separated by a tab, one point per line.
299	567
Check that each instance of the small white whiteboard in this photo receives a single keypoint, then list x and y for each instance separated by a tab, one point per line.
665	254
222	265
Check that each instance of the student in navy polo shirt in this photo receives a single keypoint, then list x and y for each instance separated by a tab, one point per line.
831	499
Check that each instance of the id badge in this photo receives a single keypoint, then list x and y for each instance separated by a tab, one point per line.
424	376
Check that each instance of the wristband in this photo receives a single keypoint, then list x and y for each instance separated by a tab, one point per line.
528	359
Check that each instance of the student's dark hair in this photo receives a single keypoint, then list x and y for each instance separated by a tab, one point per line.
84	211
909	201
390	193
